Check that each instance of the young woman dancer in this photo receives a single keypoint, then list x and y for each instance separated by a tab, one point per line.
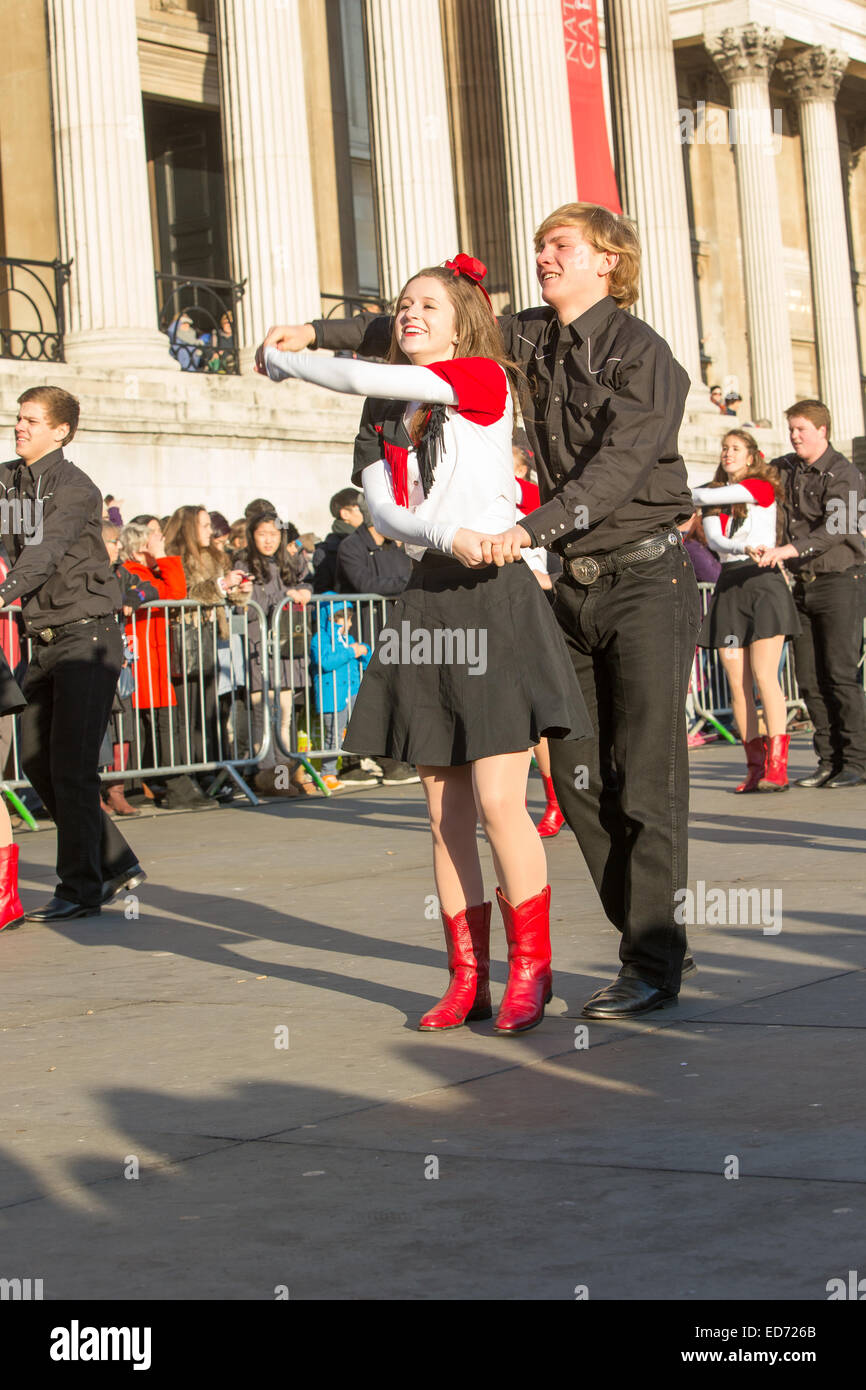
752	611
474	670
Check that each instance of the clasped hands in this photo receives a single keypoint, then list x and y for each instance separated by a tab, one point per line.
771	555
474	549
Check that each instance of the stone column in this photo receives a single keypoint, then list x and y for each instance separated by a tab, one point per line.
812	79
417	217
745	58
102	195
536	119
269	186
649	140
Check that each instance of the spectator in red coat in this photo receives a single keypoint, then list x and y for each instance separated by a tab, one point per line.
142	552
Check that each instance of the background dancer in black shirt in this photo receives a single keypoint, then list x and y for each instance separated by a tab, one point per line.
52	529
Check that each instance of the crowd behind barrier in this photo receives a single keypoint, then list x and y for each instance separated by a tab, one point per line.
187	702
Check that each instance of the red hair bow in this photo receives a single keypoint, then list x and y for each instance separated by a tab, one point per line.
473	269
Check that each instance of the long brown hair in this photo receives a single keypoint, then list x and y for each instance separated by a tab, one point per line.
757	468
475	327
181	537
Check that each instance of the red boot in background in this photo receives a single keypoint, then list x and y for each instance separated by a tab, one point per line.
553	820
11	911
467	998
775	778
756	756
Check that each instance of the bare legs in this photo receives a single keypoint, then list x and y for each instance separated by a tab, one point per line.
756	664
491	790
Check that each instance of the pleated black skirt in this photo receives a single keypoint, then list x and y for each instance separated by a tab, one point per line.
471	663
749	603
11	699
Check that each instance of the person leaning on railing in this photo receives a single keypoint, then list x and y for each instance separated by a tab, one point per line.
213	582
278	571
142	550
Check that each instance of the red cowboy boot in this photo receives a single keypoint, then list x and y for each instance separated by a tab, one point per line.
756	754
11	911
467	998
530	981
553	820
775	779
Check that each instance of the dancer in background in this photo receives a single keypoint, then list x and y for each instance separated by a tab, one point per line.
752	612
437	473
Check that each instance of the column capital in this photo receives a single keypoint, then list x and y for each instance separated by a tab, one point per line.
814	75
745	54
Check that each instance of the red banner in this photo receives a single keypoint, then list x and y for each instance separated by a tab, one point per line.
596	182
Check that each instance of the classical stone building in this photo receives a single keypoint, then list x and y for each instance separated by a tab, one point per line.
281	159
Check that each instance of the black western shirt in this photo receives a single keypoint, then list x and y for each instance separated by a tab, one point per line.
602	403
51	528
824	508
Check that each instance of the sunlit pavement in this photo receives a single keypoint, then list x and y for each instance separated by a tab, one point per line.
217	1090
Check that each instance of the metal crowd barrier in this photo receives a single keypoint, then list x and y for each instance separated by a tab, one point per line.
251	691
299	663
192	702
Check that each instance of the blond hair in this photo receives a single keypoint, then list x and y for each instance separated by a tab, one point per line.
605	231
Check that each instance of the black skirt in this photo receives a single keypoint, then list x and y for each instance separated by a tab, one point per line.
471	663
11	699
749	603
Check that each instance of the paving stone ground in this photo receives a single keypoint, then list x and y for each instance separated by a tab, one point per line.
366	1160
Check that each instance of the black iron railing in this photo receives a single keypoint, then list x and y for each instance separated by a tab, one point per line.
199	319
344	305
32	319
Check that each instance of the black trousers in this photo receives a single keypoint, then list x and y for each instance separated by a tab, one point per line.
826	657
625	792
69	687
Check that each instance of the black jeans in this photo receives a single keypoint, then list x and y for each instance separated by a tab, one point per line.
826	657
625	794
69	687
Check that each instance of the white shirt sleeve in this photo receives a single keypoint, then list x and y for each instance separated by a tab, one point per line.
384	380
721	496
723	545
399	522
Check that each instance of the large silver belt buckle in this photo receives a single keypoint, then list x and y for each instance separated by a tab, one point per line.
585	571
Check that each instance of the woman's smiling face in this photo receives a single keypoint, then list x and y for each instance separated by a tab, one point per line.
426	321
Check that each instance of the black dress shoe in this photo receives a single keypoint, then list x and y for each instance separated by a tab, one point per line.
129	878
845	779
626	997
819	778
61	910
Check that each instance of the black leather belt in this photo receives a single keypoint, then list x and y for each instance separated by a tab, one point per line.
48	634
587	569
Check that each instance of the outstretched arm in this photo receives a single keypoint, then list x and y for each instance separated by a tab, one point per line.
357	378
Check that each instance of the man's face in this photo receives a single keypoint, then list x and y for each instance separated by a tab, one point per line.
35	435
352	515
716	396
807	440
569	269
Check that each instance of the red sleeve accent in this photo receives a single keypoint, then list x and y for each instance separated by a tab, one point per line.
725	519
481	386
763	491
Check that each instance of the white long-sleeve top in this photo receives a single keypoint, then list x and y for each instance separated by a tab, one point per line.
474	485
758	527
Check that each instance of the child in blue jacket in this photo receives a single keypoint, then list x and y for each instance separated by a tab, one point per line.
338	664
